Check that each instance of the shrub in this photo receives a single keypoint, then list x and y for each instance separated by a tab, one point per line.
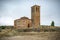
2	27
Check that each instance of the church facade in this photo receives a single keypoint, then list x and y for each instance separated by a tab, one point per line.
25	22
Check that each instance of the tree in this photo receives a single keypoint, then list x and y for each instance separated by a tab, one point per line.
52	23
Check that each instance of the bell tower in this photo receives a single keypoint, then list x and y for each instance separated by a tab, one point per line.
35	15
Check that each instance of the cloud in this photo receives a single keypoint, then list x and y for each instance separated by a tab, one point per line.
6	21
14	9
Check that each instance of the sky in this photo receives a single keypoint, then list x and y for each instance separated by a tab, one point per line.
15	9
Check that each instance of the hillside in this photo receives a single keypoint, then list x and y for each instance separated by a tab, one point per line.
40	33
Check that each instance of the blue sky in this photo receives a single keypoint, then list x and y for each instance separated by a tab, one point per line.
15	9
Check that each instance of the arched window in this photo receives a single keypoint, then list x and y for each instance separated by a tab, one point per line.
37	9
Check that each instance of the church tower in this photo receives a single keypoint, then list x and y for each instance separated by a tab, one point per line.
35	15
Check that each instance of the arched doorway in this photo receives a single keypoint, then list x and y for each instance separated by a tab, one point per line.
28	25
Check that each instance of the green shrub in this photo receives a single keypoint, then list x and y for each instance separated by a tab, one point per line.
2	27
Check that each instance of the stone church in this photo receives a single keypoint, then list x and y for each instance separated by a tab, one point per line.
25	22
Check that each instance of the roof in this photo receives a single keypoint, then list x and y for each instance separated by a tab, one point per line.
35	5
24	17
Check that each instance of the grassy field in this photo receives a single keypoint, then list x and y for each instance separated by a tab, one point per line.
41	33
34	36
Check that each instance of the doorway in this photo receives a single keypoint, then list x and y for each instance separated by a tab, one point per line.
28	25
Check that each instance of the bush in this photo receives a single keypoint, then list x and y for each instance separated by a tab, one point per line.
46	30
2	27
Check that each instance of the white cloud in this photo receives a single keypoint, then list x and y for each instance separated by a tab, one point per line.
6	21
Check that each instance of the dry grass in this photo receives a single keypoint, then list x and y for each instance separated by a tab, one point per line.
34	36
12	34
